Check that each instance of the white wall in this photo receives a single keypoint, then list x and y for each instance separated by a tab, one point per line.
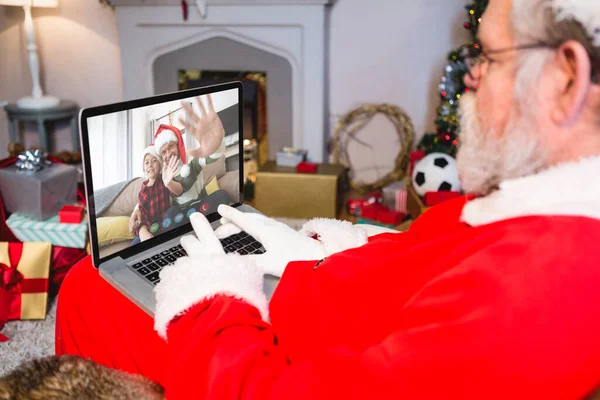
140	130
379	51
109	149
79	52
390	51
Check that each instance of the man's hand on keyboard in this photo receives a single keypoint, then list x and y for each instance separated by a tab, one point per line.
284	244
205	242
205	272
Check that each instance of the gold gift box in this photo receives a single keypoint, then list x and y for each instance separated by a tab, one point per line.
283	192
34	264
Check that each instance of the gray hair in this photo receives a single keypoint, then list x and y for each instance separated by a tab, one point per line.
550	22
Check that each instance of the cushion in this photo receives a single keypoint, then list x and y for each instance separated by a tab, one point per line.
113	230
212	186
230	183
216	169
126	201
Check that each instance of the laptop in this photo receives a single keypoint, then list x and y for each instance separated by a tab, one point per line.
115	140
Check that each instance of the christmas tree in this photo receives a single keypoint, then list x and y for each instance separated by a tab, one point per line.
445	139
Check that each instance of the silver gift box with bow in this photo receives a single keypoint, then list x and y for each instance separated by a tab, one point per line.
36	188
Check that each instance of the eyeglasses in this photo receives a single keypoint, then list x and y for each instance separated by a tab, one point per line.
473	56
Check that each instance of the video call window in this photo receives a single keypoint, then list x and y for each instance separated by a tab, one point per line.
149	169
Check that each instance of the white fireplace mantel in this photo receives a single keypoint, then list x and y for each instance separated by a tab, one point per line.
292	29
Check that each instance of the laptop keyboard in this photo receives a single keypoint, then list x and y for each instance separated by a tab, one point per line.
241	243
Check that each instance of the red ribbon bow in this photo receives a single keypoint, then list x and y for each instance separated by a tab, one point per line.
9	277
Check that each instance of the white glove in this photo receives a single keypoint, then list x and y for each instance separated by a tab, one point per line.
283	244
204	273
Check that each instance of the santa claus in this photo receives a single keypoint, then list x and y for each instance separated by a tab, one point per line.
489	296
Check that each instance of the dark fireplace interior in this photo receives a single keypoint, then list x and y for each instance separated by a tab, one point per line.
255	100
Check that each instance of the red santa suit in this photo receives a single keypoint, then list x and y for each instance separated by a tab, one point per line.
489	298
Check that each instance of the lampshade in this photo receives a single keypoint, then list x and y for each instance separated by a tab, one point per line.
34	3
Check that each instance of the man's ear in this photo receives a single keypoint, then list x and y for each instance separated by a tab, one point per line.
573	82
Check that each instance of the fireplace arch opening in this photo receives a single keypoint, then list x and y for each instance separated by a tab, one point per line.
219	59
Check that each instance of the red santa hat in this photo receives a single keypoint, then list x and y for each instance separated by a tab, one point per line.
166	134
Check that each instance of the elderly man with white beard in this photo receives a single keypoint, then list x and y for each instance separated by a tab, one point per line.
494	295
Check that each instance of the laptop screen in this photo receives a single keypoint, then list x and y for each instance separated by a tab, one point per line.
153	166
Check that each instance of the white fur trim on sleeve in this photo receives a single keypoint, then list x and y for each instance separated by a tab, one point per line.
184	171
335	235
192	280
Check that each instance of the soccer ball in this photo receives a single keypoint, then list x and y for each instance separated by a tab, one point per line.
435	173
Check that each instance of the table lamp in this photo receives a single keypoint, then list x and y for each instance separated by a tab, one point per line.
37	100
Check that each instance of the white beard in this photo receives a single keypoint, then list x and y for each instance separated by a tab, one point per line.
485	159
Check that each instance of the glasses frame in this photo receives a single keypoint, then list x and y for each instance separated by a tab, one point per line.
482	56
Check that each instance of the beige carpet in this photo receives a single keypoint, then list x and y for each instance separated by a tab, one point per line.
34	339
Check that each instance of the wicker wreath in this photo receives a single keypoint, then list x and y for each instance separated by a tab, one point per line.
347	128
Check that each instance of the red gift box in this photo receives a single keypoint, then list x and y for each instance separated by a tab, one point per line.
380	213
433	198
370	211
70	215
390	217
355	206
306	167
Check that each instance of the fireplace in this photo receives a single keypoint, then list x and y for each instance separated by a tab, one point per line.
282	41
266	79
255	94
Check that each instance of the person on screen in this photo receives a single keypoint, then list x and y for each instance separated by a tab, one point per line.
187	185
154	199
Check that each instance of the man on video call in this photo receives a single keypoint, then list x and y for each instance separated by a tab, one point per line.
494	295
185	179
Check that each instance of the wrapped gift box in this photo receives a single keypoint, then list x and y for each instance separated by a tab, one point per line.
38	194
434	198
306	167
283	192
395	196
390	217
50	230
290	157
71	214
27	266
380	213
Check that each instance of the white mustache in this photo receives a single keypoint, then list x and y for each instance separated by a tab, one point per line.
485	157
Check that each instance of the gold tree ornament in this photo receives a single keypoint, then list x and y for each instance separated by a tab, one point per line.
348	127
